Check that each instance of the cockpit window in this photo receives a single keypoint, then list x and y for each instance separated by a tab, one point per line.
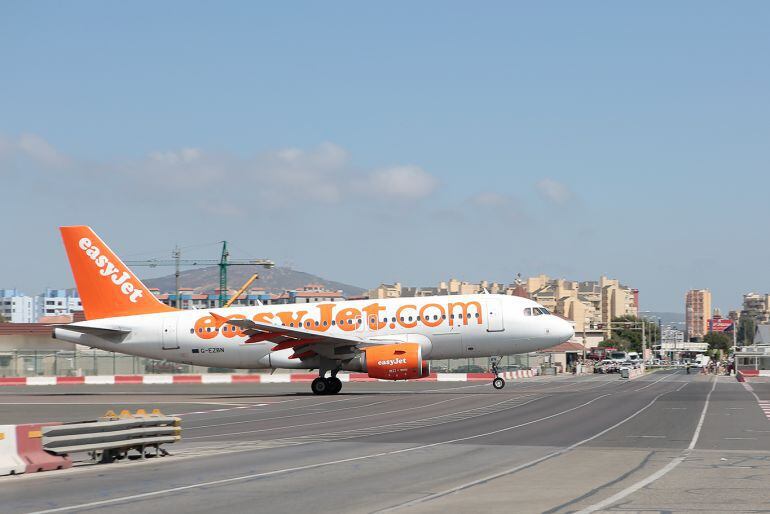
536	311
544	310
528	312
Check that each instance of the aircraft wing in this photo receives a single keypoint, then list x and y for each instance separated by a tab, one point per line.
305	343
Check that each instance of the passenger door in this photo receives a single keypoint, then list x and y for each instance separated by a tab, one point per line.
168	334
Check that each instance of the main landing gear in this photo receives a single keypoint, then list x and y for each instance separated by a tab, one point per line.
498	382
331	385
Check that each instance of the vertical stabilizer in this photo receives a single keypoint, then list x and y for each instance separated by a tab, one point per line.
106	286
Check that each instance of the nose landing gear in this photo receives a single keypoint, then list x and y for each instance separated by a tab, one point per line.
498	382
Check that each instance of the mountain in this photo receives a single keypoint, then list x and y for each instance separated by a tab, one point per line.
275	280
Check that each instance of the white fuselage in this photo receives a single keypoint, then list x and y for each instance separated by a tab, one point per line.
446	327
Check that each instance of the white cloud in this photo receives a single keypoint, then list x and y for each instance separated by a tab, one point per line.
504	207
490	199
553	191
35	148
407	182
321	174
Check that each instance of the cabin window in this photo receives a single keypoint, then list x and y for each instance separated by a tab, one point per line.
192	330
477	315
326	323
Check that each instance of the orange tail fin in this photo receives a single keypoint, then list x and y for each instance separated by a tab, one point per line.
106	286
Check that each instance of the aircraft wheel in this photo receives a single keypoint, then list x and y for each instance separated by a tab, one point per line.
334	384
498	383
320	386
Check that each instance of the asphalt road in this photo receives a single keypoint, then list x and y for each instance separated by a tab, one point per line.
665	442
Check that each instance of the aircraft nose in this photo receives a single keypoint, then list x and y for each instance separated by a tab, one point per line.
562	330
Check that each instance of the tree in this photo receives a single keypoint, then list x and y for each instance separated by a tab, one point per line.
632	333
718	341
745	331
3	319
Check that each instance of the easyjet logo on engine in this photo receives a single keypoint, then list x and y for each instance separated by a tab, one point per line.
108	269
372	317
391	362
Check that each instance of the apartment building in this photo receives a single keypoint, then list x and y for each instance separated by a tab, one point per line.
697	313
18	307
587	304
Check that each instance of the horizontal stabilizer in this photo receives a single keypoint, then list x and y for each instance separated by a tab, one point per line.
94	331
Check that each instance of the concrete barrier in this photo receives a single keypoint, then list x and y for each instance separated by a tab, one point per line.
30	448
10	462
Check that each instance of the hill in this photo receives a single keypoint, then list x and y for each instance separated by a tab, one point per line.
278	279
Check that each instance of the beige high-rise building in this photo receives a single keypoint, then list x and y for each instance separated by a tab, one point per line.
697	312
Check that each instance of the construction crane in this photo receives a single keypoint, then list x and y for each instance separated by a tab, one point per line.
224	262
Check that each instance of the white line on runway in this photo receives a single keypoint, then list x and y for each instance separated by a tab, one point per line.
661	472
309	466
337	420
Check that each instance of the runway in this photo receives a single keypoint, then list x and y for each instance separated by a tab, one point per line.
664	442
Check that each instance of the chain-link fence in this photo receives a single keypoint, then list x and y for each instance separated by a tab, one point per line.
26	363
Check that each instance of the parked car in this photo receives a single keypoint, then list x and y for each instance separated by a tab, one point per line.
607	366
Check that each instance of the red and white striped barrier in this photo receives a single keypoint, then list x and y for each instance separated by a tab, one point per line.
227	378
21	450
743	374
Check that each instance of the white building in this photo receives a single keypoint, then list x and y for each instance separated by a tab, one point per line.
55	302
17	307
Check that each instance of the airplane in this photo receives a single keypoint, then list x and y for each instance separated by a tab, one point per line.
389	339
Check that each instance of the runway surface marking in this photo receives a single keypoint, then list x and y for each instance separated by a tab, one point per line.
534	462
763	404
377	430
661	472
311	466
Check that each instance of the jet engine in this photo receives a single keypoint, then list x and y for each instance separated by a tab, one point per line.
401	361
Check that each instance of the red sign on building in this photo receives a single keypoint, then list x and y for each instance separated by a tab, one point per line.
720	325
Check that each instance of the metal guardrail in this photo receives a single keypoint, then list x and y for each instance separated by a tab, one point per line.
113	436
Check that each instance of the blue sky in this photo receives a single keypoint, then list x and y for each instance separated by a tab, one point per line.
406	141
